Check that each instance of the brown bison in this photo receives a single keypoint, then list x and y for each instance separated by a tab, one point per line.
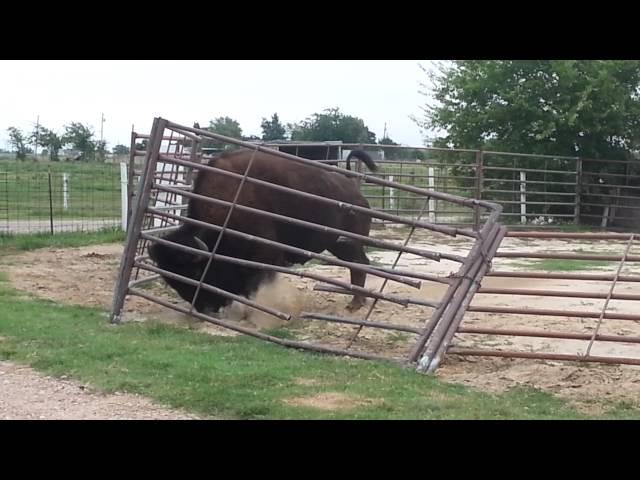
242	280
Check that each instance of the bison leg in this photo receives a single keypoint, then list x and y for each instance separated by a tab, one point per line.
352	251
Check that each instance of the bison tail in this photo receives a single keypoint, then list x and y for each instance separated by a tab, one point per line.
365	157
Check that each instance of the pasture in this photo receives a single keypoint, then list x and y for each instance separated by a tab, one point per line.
56	299
71	195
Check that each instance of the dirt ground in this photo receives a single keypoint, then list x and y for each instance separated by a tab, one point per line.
86	276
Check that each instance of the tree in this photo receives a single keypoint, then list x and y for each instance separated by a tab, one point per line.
101	150
588	108
121	150
390	153
49	140
18	142
273	129
223	126
332	125
80	137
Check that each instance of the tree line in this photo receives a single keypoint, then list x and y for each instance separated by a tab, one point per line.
581	108
331	124
76	135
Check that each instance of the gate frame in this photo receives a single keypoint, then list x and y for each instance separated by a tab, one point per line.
433	338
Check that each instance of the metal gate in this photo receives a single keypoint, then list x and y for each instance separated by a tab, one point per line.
178	148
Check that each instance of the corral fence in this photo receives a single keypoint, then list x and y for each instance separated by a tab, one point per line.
596	319
165	184
534	190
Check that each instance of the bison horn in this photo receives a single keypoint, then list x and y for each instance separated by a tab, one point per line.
201	244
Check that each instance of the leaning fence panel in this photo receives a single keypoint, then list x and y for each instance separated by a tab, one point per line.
220	232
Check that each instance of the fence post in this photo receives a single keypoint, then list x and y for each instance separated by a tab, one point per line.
479	168
131	173
431	186
124	196
392	201
65	191
50	204
523	197
576	212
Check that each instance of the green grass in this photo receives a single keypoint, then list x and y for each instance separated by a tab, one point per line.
93	189
10	244
553	264
239	377
562	265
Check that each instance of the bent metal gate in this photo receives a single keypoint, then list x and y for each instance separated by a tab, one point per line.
173	160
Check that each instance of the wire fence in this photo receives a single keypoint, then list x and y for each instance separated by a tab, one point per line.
54	197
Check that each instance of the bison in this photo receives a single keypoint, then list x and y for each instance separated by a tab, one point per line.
242	280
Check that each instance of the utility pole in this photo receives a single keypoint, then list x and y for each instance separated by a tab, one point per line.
101	125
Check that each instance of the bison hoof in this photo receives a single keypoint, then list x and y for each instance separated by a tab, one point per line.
355	305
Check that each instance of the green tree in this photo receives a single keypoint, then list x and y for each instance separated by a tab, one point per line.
121	150
588	108
332	125
226	126
101	150
49	140
80	137
18	142
390	153
273	129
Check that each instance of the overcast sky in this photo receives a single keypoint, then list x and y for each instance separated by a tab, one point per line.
135	91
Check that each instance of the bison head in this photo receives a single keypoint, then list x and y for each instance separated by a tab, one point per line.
224	275
188	265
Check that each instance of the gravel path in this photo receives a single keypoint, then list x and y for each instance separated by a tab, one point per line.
28	395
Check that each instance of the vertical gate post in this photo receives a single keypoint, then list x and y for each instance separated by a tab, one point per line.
479	172
124	196
432	202
50	203
135	226
578	197
523	197
130	174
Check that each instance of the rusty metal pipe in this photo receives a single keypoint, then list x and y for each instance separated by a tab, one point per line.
318	227
352	289
260	335
592	277
351	321
547	334
330	260
552	313
542	356
557	293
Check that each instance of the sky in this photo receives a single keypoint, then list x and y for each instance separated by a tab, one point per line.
133	92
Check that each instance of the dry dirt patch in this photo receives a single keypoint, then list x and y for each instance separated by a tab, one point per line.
330	401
